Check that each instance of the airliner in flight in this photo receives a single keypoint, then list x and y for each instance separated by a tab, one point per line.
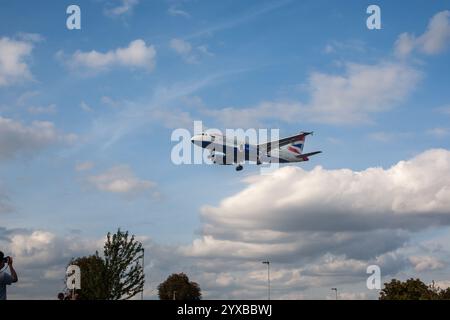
230	151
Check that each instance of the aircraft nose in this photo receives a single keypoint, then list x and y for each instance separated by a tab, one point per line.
196	139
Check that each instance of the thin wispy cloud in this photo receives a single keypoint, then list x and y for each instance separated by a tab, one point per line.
174	11
121	7
232	23
159	108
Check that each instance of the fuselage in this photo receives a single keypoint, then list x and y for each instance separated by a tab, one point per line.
241	151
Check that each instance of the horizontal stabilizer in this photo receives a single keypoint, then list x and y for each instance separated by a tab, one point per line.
305	156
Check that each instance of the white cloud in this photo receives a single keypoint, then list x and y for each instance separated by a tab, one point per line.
338	99
189	54
364	89
424	263
184	49
17	138
136	55
174	11
180	46
205	50
443	284
85	107
433	41
13	66
41	258
404	44
124	7
120	179
295	213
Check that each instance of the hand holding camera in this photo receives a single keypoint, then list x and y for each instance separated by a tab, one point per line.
7	260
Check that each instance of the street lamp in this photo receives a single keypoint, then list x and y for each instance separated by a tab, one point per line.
268	278
335	289
143	271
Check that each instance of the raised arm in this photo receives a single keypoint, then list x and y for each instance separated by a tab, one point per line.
13	272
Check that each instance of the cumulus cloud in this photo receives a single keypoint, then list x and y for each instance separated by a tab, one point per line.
422	263
361	91
322	228
433	41
296	213
121	180
13	61
41	258
17	138
137	55
364	89
123	7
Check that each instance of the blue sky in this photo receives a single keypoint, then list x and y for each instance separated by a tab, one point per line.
75	124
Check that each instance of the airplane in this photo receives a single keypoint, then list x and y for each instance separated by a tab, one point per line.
230	151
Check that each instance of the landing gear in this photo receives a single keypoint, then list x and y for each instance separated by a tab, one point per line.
239	167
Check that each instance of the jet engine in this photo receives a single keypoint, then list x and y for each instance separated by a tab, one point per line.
220	159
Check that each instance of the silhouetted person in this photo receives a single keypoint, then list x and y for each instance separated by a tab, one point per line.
6	278
60	296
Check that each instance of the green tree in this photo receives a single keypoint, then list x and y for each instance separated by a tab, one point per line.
123	256
411	289
444	294
118	274
94	277
179	287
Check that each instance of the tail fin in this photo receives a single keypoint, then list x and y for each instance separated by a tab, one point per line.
297	145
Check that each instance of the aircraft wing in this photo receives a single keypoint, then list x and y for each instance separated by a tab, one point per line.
266	147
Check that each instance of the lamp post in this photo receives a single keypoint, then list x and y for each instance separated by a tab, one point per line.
268	278
143	271
335	289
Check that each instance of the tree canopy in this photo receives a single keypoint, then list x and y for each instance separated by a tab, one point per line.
412	289
94	277
118	275
123	256
178	287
